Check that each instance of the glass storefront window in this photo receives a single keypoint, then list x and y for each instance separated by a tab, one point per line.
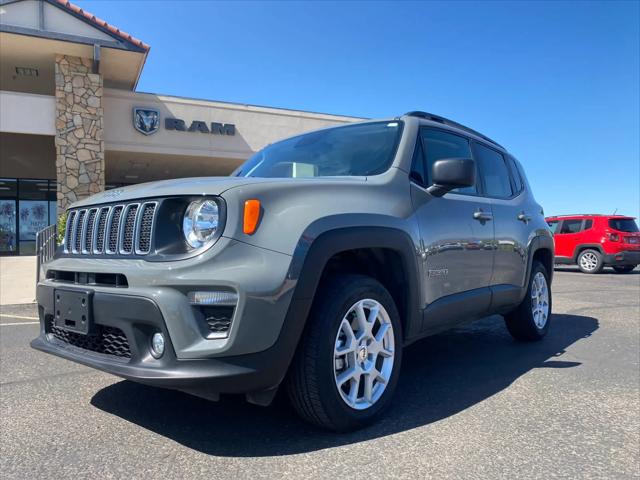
34	216
8	232
26	206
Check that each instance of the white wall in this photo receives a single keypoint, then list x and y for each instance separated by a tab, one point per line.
255	126
27	113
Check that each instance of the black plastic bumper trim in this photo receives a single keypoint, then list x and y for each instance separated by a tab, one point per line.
625	257
139	318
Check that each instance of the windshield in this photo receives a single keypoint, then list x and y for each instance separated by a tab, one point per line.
353	150
623	224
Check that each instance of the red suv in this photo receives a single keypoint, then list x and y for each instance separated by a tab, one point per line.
596	241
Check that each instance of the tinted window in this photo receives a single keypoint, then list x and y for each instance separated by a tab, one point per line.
553	226
515	175
353	150
588	224
571	226
494	172
623	224
439	144
418	173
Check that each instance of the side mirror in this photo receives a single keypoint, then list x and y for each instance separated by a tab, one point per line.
450	173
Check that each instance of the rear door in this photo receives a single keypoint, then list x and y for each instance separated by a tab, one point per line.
456	232
512	214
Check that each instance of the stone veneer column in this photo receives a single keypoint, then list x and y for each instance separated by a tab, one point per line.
79	130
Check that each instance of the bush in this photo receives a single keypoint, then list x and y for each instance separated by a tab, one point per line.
62	227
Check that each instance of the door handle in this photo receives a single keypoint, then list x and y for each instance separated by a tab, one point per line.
482	215
523	217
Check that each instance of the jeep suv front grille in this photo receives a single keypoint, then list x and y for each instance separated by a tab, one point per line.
125	229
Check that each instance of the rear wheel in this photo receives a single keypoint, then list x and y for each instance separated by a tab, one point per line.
530	321
590	261
347	364
624	268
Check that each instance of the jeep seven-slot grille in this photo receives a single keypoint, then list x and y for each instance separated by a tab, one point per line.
102	225
114	229
120	229
79	223
146	222
88	238
126	245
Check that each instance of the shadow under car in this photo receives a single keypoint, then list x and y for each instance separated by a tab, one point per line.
441	376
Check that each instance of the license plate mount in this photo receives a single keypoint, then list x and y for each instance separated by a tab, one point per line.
74	310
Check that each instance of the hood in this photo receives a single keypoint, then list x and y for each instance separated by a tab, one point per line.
190	186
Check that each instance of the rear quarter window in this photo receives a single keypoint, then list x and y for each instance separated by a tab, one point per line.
515	175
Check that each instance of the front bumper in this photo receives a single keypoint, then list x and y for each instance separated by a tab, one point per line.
258	276
626	257
138	318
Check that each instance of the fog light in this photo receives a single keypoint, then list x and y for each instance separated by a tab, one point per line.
157	345
213	298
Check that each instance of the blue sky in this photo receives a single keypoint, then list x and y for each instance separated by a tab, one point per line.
557	83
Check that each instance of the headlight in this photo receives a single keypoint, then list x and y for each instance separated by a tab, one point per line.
200	222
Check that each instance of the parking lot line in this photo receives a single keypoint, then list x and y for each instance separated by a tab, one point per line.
18	323
18	316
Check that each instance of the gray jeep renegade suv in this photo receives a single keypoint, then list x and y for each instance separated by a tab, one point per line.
311	267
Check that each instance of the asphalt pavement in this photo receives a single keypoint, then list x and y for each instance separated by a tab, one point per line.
471	403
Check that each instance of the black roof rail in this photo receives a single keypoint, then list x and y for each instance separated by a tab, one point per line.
451	123
586	215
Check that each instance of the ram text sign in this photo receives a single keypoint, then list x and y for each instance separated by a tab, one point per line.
147	122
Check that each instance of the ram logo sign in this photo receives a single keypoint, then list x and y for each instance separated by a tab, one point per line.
146	120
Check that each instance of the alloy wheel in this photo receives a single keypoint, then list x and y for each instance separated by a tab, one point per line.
364	353
588	261
540	300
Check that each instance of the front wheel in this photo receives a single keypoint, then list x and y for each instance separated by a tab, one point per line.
348	361
624	268
530	321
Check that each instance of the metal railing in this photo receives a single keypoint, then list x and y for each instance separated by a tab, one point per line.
45	247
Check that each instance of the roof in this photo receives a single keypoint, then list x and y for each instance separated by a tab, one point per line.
585	215
102	24
450	123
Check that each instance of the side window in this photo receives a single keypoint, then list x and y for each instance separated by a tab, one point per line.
515	175
418	174
588	224
494	171
571	226
553	225
439	144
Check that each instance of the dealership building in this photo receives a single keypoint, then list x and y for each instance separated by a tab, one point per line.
73	124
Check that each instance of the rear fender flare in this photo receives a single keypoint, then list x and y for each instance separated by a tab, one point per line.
586	246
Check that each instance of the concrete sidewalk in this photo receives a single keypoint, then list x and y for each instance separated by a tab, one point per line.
17	280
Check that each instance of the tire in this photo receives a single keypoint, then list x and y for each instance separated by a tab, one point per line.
522	323
624	268
590	261
313	378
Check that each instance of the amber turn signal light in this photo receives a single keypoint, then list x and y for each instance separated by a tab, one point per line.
251	216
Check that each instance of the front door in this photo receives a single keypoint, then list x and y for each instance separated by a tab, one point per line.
457	237
567	237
